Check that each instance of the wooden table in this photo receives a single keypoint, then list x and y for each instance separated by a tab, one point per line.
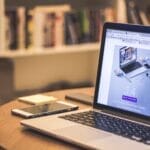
15	137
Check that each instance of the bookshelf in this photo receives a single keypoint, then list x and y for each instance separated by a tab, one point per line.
79	48
5	4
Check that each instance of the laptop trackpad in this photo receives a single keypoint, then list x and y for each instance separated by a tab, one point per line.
82	133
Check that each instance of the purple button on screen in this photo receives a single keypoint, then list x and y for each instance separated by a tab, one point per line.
129	98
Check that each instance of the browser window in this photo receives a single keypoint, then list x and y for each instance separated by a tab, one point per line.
125	76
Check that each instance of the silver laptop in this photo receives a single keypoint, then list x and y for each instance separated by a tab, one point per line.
120	117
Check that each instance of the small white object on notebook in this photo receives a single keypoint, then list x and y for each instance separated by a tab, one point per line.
37	99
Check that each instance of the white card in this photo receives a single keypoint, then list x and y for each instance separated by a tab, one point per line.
37	99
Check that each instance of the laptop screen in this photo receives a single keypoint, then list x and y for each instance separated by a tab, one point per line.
125	74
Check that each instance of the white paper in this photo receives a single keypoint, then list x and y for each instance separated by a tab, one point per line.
37	99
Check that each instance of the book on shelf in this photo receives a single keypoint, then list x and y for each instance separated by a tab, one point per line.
148	12
21	29
38	30
11	28
133	13
72	26
59	28
48	30
29	29
121	11
144	18
85	25
15	28
94	16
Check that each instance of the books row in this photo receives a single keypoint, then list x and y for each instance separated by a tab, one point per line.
135	15
53	26
130	11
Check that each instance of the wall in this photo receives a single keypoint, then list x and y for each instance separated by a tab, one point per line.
39	71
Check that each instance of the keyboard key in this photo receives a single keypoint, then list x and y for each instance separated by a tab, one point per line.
136	138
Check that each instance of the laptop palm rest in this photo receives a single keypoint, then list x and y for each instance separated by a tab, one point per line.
86	134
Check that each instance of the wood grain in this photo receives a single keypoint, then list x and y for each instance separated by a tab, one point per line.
15	137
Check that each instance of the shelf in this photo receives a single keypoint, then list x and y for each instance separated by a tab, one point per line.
80	48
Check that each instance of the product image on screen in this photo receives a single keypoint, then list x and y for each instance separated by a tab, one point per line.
129	63
130	70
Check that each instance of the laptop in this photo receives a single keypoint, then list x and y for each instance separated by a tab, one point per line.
128	62
120	117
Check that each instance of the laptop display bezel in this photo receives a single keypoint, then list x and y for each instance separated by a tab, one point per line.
124	27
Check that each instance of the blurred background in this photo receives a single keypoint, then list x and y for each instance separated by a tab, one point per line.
55	44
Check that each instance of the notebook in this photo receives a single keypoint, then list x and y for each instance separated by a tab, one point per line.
120	117
37	99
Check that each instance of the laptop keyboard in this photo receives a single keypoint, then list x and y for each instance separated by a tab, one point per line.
112	124
131	67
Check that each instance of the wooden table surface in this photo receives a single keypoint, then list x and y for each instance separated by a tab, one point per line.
15	137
